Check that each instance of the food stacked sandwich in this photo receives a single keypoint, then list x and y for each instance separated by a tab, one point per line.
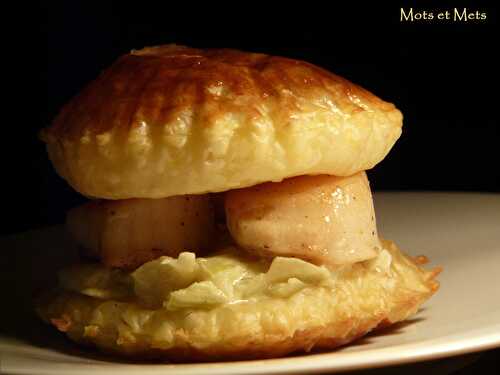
230	215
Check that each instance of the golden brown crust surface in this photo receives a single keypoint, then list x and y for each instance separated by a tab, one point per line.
173	120
365	298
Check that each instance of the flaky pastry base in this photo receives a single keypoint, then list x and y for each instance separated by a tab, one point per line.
316	318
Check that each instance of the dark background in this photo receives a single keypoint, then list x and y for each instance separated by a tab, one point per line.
441	75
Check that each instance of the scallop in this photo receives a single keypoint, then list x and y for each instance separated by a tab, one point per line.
128	233
323	219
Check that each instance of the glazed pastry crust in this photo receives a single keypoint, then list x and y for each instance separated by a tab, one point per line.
317	318
172	120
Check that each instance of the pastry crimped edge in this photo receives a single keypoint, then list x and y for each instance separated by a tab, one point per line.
357	311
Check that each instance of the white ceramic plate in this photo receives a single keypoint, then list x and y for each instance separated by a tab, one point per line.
460	232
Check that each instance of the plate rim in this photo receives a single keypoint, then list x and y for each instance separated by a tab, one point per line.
412	353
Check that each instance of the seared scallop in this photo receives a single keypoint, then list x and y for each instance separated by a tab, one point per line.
128	233
324	219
